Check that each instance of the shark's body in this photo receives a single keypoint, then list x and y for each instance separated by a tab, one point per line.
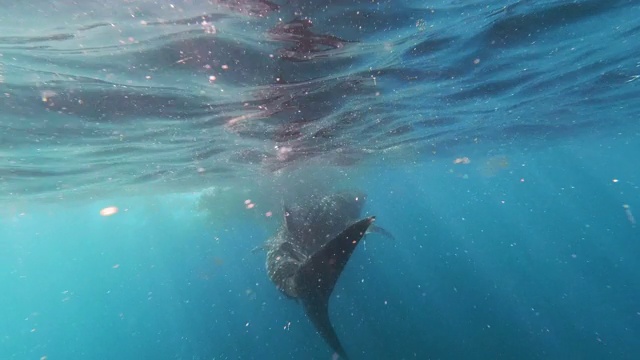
308	253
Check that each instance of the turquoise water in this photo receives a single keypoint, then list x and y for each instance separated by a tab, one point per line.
497	141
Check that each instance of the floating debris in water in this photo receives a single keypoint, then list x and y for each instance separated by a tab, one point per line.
283	152
630	217
47	94
108	211
208	27
249	204
462	160
494	165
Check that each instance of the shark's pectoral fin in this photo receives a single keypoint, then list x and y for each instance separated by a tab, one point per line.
382	231
317	277
258	248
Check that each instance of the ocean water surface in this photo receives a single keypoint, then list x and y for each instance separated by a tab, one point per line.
147	149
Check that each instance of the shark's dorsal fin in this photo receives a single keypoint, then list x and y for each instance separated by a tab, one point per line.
317	277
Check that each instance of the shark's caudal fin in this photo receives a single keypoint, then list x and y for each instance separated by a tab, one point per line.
316	279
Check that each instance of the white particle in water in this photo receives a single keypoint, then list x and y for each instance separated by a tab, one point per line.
630	217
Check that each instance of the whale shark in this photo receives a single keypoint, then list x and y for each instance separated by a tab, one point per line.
311	248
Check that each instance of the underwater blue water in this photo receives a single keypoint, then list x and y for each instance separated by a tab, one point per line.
497	141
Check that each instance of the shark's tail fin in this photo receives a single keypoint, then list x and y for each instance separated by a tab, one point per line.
316	279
